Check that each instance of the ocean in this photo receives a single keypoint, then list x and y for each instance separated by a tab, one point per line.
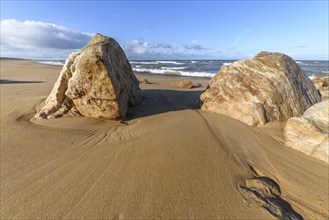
203	68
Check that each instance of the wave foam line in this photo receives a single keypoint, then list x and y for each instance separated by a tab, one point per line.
156	62
180	73
54	63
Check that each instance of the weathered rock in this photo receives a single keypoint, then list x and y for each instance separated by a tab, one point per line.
266	193
97	82
182	84
268	87
310	133
322	84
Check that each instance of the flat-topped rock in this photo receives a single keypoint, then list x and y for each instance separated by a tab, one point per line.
310	132
97	82
268	87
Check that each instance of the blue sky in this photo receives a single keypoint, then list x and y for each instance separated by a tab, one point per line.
167	29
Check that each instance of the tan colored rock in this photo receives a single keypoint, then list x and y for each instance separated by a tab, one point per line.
182	84
268	87
144	81
97	82
310	133
322	84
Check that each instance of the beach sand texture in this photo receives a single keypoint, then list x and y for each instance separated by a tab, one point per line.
169	161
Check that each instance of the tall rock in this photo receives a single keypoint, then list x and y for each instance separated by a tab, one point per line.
97	82
268	87
310	132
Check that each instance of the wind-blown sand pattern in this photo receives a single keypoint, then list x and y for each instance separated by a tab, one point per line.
169	160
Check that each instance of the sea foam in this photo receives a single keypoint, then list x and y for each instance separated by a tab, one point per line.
52	62
174	72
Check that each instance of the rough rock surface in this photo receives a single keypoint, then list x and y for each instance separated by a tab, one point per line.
182	84
268	87
322	84
97	82
310	133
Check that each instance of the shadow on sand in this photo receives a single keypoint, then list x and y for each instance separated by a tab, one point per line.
161	101
6	81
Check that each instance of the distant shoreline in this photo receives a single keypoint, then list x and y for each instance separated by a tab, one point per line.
181	69
141	74
13	58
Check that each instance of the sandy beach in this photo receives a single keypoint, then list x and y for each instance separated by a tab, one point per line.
169	160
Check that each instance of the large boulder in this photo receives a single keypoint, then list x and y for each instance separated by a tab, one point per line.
268	87
322	84
97	82
310	133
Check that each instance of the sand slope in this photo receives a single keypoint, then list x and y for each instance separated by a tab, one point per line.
170	161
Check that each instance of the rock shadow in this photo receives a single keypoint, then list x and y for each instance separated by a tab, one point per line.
6	81
161	101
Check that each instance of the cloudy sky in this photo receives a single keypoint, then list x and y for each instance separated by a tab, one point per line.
166	29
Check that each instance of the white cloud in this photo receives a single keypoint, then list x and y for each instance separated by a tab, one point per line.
137	49
194	45
36	37
140	48
40	40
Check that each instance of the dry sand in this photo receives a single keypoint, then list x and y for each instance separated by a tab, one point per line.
171	161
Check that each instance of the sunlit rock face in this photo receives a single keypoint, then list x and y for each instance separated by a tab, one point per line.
310	132
268	87
96	82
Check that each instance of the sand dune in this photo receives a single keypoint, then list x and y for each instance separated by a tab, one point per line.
168	161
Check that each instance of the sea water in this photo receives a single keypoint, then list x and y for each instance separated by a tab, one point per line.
203	68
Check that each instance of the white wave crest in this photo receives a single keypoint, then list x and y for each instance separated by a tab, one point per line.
173	68
172	72
168	62
301	63
52	62
226	64
311	77
156	62
143	62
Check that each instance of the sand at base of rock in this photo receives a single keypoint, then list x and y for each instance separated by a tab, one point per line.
169	160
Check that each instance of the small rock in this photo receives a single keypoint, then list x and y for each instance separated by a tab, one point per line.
322	84
182	84
266	193
144	81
